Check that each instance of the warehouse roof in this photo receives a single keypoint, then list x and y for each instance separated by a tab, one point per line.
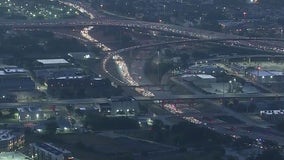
52	61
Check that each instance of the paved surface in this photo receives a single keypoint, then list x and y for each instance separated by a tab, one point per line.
12	156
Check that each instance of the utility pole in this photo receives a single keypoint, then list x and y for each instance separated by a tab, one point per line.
158	62
281	32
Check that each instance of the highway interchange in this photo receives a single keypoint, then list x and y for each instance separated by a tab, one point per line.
238	41
100	20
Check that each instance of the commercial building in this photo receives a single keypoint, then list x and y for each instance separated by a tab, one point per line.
55	69
64	126
119	106
105	109
205	69
10	141
82	55
265	76
14	78
42	75
272	115
13	155
31	114
78	86
199	79
47	151
252	1
75	81
51	63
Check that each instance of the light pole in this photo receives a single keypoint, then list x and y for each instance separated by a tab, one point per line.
281	32
158	63
230	86
223	93
223	89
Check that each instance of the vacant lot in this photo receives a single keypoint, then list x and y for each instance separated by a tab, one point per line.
98	146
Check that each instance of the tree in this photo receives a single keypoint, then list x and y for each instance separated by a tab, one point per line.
99	122
51	127
272	154
158	131
70	108
157	125
280	126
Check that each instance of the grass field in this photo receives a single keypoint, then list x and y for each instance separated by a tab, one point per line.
101	146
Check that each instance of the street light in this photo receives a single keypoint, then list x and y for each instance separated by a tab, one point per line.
258	69
158	62
223	90
230	86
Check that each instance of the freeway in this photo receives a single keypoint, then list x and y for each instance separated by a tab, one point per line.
187	31
90	101
127	79
211	96
232	40
204	36
54	102
256	45
277	56
184	31
214	36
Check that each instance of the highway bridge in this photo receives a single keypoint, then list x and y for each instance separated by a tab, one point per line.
243	57
180	30
196	41
220	58
232	40
173	98
186	31
147	85
111	53
212	96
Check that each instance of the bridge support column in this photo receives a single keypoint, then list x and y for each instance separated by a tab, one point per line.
163	103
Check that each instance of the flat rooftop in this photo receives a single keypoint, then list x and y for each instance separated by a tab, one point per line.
52	61
15	70
13	156
266	73
12	70
5	135
50	148
205	76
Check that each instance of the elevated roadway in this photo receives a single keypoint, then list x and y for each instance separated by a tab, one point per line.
184	31
244	57
200	41
120	51
212	96
92	101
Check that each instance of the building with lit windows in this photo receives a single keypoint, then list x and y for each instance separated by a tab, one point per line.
10	141
119	106
272	115
199	79
265	76
253	1
46	151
